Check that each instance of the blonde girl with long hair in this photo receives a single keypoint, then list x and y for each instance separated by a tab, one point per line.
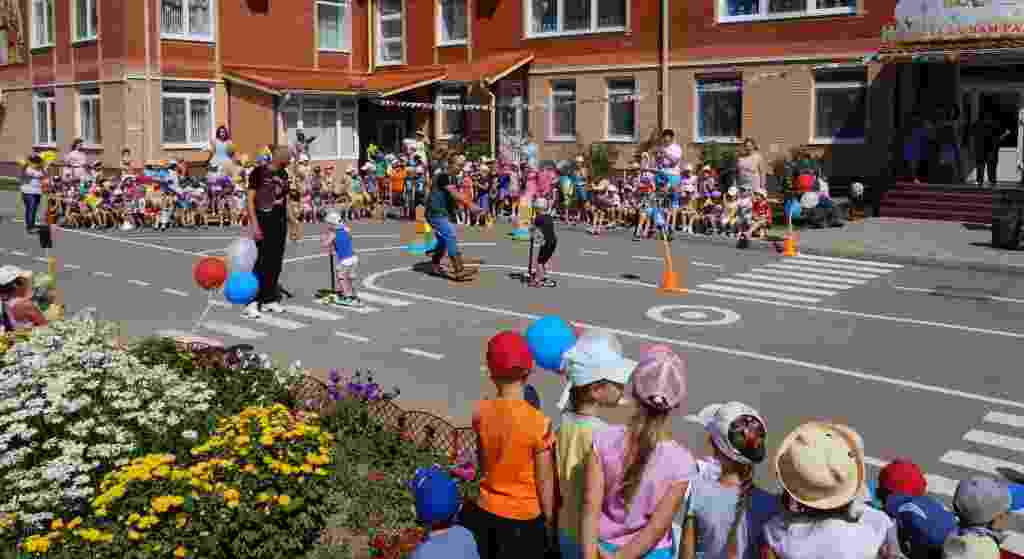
631	466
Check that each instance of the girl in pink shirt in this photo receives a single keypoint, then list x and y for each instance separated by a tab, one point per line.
75	162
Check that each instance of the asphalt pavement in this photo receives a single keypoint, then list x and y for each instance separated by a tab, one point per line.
921	361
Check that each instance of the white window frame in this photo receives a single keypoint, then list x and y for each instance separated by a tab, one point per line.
446	96
560	30
763	15
5	55
555	94
49	103
342	105
203	143
188	35
90	11
381	41
862	85
442	40
90	97
49	10
614	92
345	24
697	137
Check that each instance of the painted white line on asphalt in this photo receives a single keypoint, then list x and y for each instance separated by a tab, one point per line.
651	258
213	251
73	266
375	249
977	462
315	314
937	485
1004	419
139	283
131	242
804	275
270	320
18	253
233	330
758	292
695	263
103	274
370	283
850	261
43	260
840	267
706	265
382	300
776	287
173	333
421	353
352	337
783	280
598	252
802	268
940	293
174	292
995	439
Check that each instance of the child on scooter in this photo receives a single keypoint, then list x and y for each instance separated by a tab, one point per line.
337	237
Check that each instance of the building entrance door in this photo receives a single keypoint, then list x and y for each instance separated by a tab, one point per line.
390	133
511	119
1004	102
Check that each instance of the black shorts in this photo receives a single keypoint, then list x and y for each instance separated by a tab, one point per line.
547	250
499	538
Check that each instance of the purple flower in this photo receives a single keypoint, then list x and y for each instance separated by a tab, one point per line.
333	376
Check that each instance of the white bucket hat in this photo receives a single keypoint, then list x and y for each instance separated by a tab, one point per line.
821	465
737	431
596	356
10	273
332	218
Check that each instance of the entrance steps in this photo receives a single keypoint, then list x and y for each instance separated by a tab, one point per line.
940	202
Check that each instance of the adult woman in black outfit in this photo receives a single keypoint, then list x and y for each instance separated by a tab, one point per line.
268	224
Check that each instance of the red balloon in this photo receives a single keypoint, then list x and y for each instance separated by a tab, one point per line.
579	331
210	272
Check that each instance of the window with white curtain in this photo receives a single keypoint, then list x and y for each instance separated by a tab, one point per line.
42	23
451	22
334	25
187	19
753	10
4	55
89	116
719	110
555	17
390	31
563	110
621	109
187	112
45	112
331	120
86	21
449	121
840	105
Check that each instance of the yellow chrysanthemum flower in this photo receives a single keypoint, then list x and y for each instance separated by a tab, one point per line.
180	552
134	536
57	524
284	500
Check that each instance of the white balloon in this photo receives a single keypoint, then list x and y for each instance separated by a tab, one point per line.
809	200
241	255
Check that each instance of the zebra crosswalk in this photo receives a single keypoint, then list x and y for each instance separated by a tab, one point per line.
802	279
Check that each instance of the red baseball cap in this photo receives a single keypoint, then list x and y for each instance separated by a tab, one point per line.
905	478
508	356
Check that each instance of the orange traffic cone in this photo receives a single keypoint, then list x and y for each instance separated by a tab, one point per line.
669	279
789	246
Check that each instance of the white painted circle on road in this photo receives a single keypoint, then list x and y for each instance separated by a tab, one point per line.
692	316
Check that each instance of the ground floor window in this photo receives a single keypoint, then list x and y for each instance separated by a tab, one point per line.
45	109
331	121
187	114
449	119
719	110
89	116
621	109
840	105
563	110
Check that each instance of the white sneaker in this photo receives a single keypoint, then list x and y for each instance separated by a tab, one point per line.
273	307
252	310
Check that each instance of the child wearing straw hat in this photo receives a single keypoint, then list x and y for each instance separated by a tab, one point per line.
820	467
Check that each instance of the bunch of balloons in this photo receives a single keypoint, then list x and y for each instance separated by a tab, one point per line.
234	273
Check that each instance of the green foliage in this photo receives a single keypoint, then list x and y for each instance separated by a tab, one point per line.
474	152
600	161
721	157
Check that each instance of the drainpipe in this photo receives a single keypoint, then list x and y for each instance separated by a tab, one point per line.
493	135
664	63
147	146
369	37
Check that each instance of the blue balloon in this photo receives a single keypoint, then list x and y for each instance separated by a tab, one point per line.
549	338
241	288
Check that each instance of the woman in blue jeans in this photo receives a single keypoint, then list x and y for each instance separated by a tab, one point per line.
442	203
32	190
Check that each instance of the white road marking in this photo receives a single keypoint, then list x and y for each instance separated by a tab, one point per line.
977	462
937	485
598	252
778	279
173	333
352	337
213	251
315	314
651	258
18	253
777	287
695	316
370	283
269	319
1004	419
382	300
375	249
661	259
421	353
850	261
803	268
174	292
131	242
809	276
233	330
73	266
706	265
103	274
43	260
758	292
139	283
940	293
841	267
995	439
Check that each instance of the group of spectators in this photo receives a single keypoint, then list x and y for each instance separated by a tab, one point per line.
596	490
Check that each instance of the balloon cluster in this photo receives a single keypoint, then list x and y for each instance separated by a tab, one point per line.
548	339
235	275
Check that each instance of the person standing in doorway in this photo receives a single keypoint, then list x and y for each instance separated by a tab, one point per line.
751	168
75	162
268	223
947	136
988	133
915	148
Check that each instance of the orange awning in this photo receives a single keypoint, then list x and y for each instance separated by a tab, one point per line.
278	81
393	82
489	69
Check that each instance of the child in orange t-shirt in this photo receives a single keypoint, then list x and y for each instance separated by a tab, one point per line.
513	517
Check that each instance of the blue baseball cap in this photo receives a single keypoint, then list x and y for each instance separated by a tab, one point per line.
922	522
437	495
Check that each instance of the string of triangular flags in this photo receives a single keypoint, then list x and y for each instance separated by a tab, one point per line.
527	106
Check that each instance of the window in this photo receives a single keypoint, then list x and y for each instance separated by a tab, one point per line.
45	109
89	116
552	17
621	110
334	25
840	105
452	22
85	20
4	57
187	115
563	110
719	110
449	122
749	10
187	19
42	23
331	120
389	32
